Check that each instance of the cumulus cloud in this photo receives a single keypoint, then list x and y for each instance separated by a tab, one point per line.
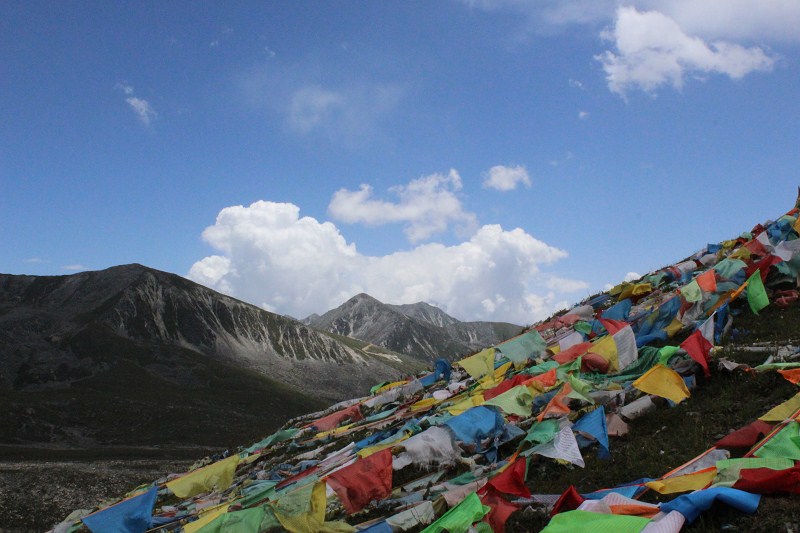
270	255
426	205
653	50
632	276
506	178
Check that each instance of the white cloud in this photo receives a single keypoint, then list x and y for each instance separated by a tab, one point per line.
34	260
582	115
653	50
270	255
426	205
140	106
506	178
353	111
752	20
73	267
632	276
143	109
310	103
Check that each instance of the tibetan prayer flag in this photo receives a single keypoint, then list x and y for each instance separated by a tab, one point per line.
572	521
756	294
663	381
512	479
707	281
461	517
217	476
783	411
698	349
365	480
128	516
480	364
594	425
692	292
695	481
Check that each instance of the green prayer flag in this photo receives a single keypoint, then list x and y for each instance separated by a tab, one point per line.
583	327
461	517
783	444
543	431
278	436
515	401
727	268
572	521
756	294
244	521
529	345
692	292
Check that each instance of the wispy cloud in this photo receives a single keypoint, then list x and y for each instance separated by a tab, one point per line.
34	260
144	111
73	267
312	102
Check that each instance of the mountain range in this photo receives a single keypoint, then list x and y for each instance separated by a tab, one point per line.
135	355
419	330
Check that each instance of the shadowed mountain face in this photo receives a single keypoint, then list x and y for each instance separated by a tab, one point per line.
134	355
418	330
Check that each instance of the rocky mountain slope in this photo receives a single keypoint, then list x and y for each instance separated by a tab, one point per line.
419	330
154	346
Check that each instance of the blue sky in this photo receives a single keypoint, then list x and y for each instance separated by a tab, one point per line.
497	158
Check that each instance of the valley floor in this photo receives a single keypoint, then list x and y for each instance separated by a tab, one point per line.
40	490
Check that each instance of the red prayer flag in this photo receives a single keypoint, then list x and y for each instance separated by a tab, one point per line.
334	419
501	508
769	481
512	479
792	375
572	353
698	348
569	501
613	326
363	481
505	386
745	437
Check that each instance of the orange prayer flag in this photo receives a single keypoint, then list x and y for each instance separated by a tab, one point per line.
792	375
557	405
707	280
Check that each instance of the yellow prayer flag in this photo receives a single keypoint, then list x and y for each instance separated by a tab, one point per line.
480	364
782	411
369	450
696	481
742	253
424	405
664	382
206	517
391	386
673	327
606	348
217	476
465	405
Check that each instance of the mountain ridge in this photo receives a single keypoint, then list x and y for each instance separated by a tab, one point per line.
419	330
